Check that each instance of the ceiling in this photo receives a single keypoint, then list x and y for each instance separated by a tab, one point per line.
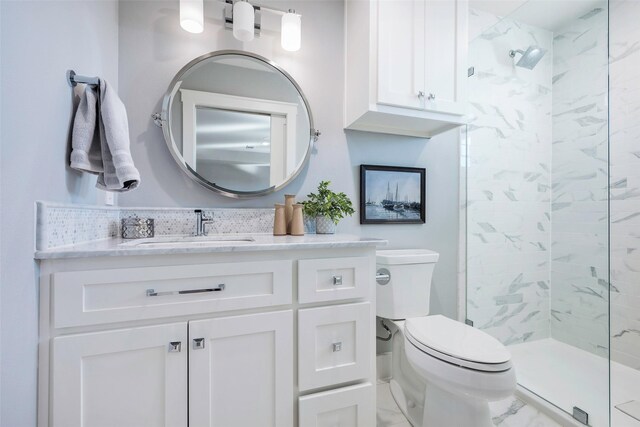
547	14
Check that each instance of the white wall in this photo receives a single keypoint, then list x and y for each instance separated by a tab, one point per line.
153	48
40	40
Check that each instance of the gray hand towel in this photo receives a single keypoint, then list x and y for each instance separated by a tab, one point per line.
86	154
100	139
120	174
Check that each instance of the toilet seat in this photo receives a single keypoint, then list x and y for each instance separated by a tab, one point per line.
456	343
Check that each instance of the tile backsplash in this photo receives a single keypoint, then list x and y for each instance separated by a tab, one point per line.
61	224
225	221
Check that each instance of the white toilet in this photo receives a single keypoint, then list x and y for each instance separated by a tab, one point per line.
444	373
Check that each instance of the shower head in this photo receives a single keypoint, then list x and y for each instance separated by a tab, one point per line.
530	57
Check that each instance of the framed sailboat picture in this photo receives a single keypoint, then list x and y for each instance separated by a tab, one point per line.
392	195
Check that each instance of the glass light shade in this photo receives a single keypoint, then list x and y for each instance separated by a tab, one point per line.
243	21
192	15
290	32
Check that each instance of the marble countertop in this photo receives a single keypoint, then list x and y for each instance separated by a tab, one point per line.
260	242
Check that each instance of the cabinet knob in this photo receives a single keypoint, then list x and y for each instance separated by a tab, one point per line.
175	346
337	346
421	94
198	343
337	280
431	97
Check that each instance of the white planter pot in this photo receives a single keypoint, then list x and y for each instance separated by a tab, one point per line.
324	225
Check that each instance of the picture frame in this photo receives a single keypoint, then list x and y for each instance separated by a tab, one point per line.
392	195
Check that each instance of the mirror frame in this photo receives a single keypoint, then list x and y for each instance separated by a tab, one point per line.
165	120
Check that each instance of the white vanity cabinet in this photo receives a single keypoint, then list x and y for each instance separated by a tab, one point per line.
405	66
125	377
264	338
240	370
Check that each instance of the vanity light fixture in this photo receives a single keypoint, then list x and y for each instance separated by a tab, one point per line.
290	32
244	19
192	15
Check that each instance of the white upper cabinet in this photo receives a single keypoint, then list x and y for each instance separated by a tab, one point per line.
401	53
405	66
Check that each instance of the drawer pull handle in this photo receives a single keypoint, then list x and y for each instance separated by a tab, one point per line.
337	280
198	343
337	346
153	293
175	346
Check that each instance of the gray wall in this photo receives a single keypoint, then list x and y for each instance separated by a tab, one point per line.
40	41
153	48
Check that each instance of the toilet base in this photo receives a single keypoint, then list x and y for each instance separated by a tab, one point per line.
443	408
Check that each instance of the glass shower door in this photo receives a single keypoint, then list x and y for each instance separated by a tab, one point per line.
537	168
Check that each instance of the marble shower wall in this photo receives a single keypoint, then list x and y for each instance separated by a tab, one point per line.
579	208
625	181
509	181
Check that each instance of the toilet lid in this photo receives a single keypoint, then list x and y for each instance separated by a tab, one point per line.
457	343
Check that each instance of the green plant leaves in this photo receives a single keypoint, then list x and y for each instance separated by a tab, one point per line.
327	203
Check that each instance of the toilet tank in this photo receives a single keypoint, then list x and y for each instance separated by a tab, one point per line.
408	290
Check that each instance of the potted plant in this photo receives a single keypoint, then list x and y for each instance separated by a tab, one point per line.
327	207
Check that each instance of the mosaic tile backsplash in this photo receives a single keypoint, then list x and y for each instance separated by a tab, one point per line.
62	225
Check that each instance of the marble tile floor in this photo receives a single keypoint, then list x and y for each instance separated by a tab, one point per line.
506	413
568	376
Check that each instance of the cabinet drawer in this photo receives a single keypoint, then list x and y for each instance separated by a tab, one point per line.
345	407
334	345
333	279
118	295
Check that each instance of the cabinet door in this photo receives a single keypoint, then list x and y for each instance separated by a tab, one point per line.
401	53
445	48
241	371
128	377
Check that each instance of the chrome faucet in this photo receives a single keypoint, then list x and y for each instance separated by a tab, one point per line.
202	222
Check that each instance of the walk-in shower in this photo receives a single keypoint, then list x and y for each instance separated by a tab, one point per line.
552	199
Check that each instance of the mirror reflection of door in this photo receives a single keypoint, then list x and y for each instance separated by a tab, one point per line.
233	145
229	139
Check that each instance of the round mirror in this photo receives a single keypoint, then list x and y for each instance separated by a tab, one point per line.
237	123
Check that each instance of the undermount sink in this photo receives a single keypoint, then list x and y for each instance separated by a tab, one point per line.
189	241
